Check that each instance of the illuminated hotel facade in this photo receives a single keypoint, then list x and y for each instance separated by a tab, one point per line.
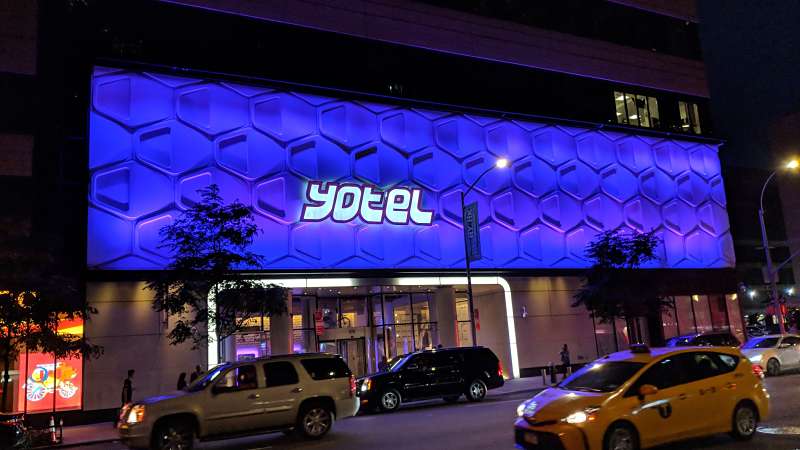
352	141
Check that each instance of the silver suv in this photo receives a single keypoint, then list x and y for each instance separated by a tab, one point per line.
302	392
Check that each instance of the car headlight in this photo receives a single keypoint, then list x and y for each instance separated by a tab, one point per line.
755	359
587	415
366	385
135	415
526	408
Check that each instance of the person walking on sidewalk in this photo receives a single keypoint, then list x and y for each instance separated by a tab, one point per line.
127	388
182	381
565	360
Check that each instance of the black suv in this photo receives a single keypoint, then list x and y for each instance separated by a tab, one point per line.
717	339
442	373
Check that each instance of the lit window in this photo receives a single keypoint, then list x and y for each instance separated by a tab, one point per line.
690	117
638	110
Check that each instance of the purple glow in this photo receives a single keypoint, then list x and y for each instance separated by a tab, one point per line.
154	143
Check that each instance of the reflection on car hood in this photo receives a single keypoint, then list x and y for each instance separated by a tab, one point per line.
556	404
163	397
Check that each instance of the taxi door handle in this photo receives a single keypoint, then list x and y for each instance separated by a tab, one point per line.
730	385
297	390
683	397
254	396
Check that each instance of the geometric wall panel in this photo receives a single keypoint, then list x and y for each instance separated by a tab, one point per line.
155	139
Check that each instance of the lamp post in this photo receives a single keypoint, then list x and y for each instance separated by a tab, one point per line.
500	164
771	273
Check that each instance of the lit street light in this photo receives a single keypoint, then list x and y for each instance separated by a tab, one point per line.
772	273
501	163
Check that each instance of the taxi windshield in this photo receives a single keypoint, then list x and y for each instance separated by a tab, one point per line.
761	343
601	376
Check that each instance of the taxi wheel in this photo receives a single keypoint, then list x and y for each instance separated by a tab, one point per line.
745	421
773	367
621	436
389	400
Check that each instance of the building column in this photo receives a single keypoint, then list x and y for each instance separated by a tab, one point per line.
229	349
444	309
280	331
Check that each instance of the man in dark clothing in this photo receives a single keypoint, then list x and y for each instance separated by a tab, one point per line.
198	372
565	359
127	388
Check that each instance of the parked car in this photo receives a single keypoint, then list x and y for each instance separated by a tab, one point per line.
756	330
441	373
716	339
646	397
13	433
302	393
774	352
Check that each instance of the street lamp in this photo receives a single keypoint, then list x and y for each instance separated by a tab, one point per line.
771	273
501	163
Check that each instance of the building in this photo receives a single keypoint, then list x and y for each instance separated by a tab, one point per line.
298	109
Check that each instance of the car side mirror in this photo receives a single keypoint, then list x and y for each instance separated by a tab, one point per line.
647	389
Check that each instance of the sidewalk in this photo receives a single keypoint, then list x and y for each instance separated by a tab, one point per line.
520	385
88	434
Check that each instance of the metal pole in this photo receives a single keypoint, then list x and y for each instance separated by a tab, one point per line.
773	287
469	277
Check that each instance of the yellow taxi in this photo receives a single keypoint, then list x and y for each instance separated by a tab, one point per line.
646	397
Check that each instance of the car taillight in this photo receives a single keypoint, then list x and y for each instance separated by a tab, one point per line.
758	371
352	385
499	369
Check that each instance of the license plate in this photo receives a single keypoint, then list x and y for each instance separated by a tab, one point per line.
531	438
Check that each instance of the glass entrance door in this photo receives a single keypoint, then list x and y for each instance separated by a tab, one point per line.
352	350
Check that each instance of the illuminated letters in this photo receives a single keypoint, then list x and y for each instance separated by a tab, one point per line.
346	201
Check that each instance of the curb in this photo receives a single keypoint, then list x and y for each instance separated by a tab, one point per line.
76	444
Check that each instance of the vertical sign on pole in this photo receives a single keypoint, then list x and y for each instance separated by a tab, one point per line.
319	325
472	232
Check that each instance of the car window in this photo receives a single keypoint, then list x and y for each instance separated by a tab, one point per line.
791	340
237	379
729	340
670	371
704	341
761	343
421	361
601	376
445	359
679	341
727	363
702	365
325	368
280	373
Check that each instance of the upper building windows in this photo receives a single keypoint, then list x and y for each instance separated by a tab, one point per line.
690	117
638	110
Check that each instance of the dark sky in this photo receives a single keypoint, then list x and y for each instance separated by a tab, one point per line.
752	50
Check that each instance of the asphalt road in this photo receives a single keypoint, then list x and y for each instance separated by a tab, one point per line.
488	425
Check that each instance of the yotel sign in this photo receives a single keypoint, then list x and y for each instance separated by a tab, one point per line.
343	202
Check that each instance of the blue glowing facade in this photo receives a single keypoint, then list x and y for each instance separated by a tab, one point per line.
156	139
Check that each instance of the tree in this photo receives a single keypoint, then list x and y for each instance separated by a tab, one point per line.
35	296
209	245
615	286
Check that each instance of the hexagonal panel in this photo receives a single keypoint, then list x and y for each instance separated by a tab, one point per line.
705	161
348	123
213	108
281	197
718	191
534	176
389	245
725	246
406	130
459	136
692	189
164	146
702	249
507	140
494	180
273	240
619	183
554	146
328	243
133	100
634	154
596	150
560	211
656	185
132	190
109	142
642	215
442	243
499	246
713	219
671	157
543	244
249	154
679	217
450	205
435	169
231	188
578	179
284	116
602	212
514	209
577	241
148	238
674	248
380	164
319	159
110	238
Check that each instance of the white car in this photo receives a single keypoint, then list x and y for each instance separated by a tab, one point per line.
774	352
302	392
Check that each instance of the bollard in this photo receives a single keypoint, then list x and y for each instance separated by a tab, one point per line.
544	377
53	439
553	380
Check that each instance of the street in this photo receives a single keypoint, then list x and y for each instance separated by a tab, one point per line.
436	425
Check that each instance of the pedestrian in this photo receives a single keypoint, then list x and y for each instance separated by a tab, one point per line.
196	374
565	359
182	381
